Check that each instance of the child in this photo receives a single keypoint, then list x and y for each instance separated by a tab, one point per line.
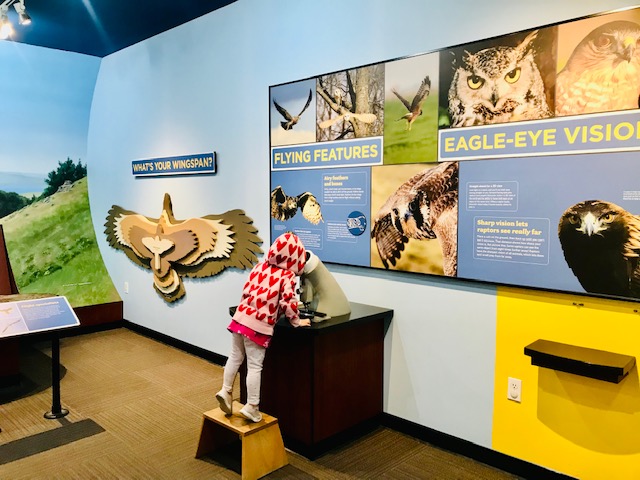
269	293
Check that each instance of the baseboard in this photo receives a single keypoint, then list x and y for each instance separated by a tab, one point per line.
471	450
173	342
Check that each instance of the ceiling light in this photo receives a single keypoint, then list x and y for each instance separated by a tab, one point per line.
6	28
23	16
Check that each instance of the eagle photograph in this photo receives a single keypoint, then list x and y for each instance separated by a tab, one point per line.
599	64
292	116
601	245
411	110
415	218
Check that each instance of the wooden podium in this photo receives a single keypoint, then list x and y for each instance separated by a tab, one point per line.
262	446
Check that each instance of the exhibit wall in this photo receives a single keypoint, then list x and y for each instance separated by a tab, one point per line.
204	86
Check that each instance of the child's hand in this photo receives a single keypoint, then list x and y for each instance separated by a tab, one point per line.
305	322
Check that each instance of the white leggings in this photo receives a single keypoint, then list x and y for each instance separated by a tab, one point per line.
240	347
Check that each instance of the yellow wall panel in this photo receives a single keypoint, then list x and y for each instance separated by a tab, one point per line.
586	428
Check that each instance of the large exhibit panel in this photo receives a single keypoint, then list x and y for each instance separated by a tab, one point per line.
509	160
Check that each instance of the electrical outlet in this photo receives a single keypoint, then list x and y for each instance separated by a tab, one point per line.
514	391
126	287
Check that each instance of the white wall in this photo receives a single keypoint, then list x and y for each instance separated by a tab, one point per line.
204	86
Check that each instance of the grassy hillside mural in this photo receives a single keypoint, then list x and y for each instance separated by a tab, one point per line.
48	229
53	249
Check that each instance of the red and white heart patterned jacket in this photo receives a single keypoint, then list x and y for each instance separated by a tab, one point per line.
270	290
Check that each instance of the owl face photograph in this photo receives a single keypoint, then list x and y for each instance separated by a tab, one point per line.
415	218
411	110
599	64
504	80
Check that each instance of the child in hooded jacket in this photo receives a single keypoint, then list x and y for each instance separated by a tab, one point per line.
268	294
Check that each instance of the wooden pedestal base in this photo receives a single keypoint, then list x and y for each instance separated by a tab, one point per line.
262	446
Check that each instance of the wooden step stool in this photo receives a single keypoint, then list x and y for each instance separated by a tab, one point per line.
262	445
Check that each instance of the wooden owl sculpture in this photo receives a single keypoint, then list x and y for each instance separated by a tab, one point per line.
496	85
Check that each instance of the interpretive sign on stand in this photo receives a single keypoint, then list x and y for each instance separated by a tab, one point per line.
23	317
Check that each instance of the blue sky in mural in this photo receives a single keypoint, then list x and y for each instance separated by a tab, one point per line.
46	101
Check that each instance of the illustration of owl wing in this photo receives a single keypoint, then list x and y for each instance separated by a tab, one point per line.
283	207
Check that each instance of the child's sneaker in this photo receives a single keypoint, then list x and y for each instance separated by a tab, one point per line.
226	401
251	413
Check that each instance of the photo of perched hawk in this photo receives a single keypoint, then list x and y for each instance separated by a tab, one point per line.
601	244
424	207
603	72
415	107
284	207
171	248
290	119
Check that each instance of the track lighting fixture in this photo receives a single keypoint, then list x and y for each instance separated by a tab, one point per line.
6	28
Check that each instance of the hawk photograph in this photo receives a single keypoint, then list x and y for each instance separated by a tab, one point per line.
599	64
424	207
292	116
195	247
411	110
601	245
486	83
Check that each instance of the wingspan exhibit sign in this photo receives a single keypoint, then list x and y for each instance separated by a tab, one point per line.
513	160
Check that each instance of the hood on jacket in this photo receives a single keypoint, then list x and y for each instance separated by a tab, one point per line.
288	253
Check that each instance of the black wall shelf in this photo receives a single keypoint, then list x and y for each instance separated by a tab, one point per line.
587	362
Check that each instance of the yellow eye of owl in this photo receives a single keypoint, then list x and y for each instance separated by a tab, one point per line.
513	76
475	82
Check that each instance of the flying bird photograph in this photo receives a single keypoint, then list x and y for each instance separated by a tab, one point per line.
350	104
411	110
504	80
289	120
292	113
416	227
599	64
414	107
601	245
172	249
285	207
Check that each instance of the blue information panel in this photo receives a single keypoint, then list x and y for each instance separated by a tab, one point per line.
198	163
36	315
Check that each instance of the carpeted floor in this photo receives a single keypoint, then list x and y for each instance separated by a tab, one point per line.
135	413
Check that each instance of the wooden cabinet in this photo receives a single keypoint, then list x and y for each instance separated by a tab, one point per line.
325	383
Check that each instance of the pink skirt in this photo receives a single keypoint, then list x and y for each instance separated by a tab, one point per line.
256	337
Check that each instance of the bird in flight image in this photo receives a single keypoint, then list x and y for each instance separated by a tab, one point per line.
415	107
291	120
284	207
425	207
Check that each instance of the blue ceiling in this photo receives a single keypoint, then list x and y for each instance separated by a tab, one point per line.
101	27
